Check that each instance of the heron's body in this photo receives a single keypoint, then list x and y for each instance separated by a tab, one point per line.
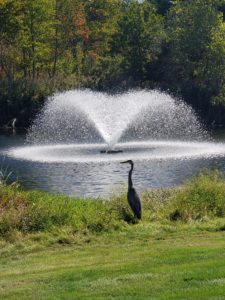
134	202
132	196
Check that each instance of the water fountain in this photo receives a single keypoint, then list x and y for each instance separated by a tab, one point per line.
78	125
85	116
84	127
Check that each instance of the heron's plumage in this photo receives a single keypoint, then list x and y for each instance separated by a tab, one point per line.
134	202
132	196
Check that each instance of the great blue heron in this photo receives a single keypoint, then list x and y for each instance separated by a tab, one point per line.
11	123
132	196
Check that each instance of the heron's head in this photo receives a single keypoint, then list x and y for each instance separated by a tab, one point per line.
127	162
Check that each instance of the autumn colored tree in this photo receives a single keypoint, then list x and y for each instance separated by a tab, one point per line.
102	17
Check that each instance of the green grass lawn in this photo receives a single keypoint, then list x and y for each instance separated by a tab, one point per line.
140	262
56	247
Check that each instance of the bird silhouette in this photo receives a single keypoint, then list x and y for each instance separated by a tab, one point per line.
132	196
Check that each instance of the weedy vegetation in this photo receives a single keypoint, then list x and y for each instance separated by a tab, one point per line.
200	199
57	247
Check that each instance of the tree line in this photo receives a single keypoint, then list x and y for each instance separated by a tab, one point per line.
111	45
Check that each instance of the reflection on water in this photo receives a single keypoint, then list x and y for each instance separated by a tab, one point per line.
99	178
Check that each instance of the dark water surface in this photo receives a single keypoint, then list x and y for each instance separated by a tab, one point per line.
99	178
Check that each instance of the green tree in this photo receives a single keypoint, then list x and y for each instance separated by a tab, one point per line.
36	35
9	28
193	63
192	26
212	69
139	39
162	5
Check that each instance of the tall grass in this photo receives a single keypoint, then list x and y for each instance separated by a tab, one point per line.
37	211
199	199
202	197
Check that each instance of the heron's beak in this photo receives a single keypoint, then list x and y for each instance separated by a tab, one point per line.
124	162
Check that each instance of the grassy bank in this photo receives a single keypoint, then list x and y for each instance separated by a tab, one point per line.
25	212
56	247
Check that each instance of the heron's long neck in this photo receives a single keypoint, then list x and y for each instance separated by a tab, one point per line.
130	183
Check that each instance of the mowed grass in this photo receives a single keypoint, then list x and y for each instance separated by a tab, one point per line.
56	247
144	262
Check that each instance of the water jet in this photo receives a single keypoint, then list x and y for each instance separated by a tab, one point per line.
91	117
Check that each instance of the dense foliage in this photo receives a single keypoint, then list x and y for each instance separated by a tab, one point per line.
49	45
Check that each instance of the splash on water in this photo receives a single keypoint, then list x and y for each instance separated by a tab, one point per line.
138	151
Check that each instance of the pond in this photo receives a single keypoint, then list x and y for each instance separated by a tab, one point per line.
83	171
